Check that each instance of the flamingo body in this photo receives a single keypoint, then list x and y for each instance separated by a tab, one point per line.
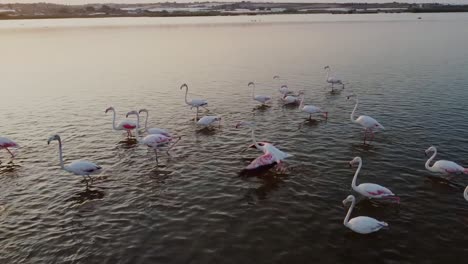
292	99
262	98
82	167
154	130
368	122
208	120
155	140
361	224
312	109
126	124
7	143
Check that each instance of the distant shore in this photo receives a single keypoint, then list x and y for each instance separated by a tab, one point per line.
51	11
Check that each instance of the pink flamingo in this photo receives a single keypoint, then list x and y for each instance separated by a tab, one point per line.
6	143
445	167
153	141
127	125
270	155
370	190
369	124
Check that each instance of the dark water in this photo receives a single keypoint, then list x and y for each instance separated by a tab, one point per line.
58	77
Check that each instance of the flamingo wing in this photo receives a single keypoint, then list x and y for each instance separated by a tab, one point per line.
263	160
365	225
83	167
448	167
7	143
127	125
374	190
277	154
161	131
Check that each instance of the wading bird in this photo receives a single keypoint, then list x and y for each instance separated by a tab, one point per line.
284	90
333	80
465	193
78	167
153	130
361	224
443	166
153	141
271	154
197	103
369	124
208	120
312	110
259	98
6	143
370	190
127	125
293	99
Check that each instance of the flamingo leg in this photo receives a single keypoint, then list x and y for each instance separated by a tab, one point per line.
196	118
365	135
10	152
156	154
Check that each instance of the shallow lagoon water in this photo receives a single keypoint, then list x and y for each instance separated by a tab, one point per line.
58	76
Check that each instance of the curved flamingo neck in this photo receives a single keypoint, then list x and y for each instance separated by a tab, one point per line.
350	210
354	110
146	120
428	167
465	193
137	135
186	92
113	119
353	183
253	139
61	154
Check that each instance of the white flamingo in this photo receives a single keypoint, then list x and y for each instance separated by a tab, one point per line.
361	224
153	141
368	123
153	130
6	143
333	80
259	98
465	193
443	166
370	190
126	124
284	90
271	153
78	167
197	103
293	99
208	120
312	109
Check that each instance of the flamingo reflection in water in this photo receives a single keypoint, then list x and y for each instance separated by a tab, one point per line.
271	155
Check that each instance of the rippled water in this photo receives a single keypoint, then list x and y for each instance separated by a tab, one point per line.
58	76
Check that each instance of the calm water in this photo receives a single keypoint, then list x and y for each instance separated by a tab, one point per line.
58	76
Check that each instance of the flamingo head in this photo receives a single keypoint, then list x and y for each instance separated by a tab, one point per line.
109	109
244	123
348	199
430	149
355	161
276	77
143	110
284	86
378	126
251	83
349	96
184	86
132	113
326	67
54	137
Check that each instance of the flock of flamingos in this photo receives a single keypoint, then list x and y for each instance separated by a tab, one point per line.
157	138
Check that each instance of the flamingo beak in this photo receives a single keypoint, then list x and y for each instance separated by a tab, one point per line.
350	164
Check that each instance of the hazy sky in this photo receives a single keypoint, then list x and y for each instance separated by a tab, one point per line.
155	1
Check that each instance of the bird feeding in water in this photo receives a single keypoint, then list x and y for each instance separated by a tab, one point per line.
333	80
197	103
153	130
271	155
206	121
361	224
369	124
284	90
6	143
259	98
78	167
444	167
126	124
293	99
312	110
154	141
370	190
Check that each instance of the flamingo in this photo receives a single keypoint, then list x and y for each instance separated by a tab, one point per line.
197	103
368	123
153	141
78	167
6	143
312	109
208	120
361	224
370	190
443	166
465	193
271	153
153	130
293	99
284	90
127	125
333	80
260	98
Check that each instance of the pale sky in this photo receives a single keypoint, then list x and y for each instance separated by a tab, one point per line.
184	1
